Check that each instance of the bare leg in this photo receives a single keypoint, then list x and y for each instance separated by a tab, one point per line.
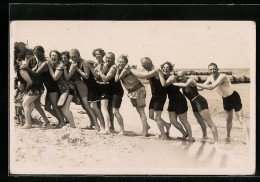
111	115
66	111
37	104
186	124
53	96
176	124
160	125
245	128
202	125
92	116
229	117
119	119
143	117
104	110
92	123
48	106
207	118
27	101
151	114
98	114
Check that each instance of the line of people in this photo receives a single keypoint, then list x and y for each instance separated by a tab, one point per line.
97	87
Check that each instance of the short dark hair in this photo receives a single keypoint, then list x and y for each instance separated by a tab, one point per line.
39	48
102	52
57	52
66	53
213	64
124	57
169	63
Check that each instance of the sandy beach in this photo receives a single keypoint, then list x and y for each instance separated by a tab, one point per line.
80	151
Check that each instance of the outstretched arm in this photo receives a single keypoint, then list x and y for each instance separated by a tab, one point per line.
219	81
190	82
143	74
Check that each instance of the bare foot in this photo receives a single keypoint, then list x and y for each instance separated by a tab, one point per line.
227	140
62	124
168	126
211	141
145	134
204	139
103	132
162	137
122	132
26	126
191	139
183	137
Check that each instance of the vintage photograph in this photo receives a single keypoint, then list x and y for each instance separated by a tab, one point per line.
132	97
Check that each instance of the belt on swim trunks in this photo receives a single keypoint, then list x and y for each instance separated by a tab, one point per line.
195	97
136	87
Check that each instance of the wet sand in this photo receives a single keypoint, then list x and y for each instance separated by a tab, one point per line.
80	151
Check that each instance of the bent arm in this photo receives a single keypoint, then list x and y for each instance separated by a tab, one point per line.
142	74
85	73
55	75
123	73
66	74
27	78
93	71
164	82
111	73
71	71
43	68
189	82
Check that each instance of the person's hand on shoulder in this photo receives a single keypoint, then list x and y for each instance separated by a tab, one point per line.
127	67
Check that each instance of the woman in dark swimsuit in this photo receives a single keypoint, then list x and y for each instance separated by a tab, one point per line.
33	86
53	92
177	103
199	105
60	74
116	92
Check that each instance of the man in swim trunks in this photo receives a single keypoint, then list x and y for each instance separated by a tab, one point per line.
136	90
231	99
158	95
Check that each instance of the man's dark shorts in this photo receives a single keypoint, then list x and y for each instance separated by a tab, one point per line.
232	102
157	102
178	104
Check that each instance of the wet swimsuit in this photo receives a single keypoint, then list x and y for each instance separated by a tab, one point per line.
158	94
177	101
198	102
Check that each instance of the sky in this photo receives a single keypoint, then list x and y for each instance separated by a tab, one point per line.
187	44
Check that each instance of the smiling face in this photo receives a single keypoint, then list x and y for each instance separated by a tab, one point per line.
54	57
121	63
166	69
213	70
110	58
74	56
98	56
64	59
